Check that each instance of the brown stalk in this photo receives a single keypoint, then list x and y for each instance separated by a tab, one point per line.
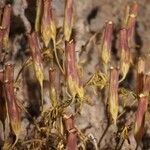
52	83
140	75
72	132
3	111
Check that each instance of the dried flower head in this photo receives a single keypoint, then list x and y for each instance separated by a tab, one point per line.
69	19
113	93
107	42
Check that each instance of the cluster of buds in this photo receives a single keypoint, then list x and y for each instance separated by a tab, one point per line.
107	42
37	59
125	58
69	19
72	75
113	93
10	98
72	132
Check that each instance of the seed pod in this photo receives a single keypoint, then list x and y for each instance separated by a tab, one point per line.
38	15
52	83
72	76
69	19
48	28
140	75
6	24
113	93
13	110
140	117
131	28
107	42
130	20
37	59
72	135
125	54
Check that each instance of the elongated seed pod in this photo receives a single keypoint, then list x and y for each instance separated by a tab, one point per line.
6	24
48	28
113	93
72	76
125	58
69	19
140	117
72	135
107	42
13	110
37	59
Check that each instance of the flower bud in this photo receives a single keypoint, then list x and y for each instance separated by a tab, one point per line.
69	19
113	93
107	42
